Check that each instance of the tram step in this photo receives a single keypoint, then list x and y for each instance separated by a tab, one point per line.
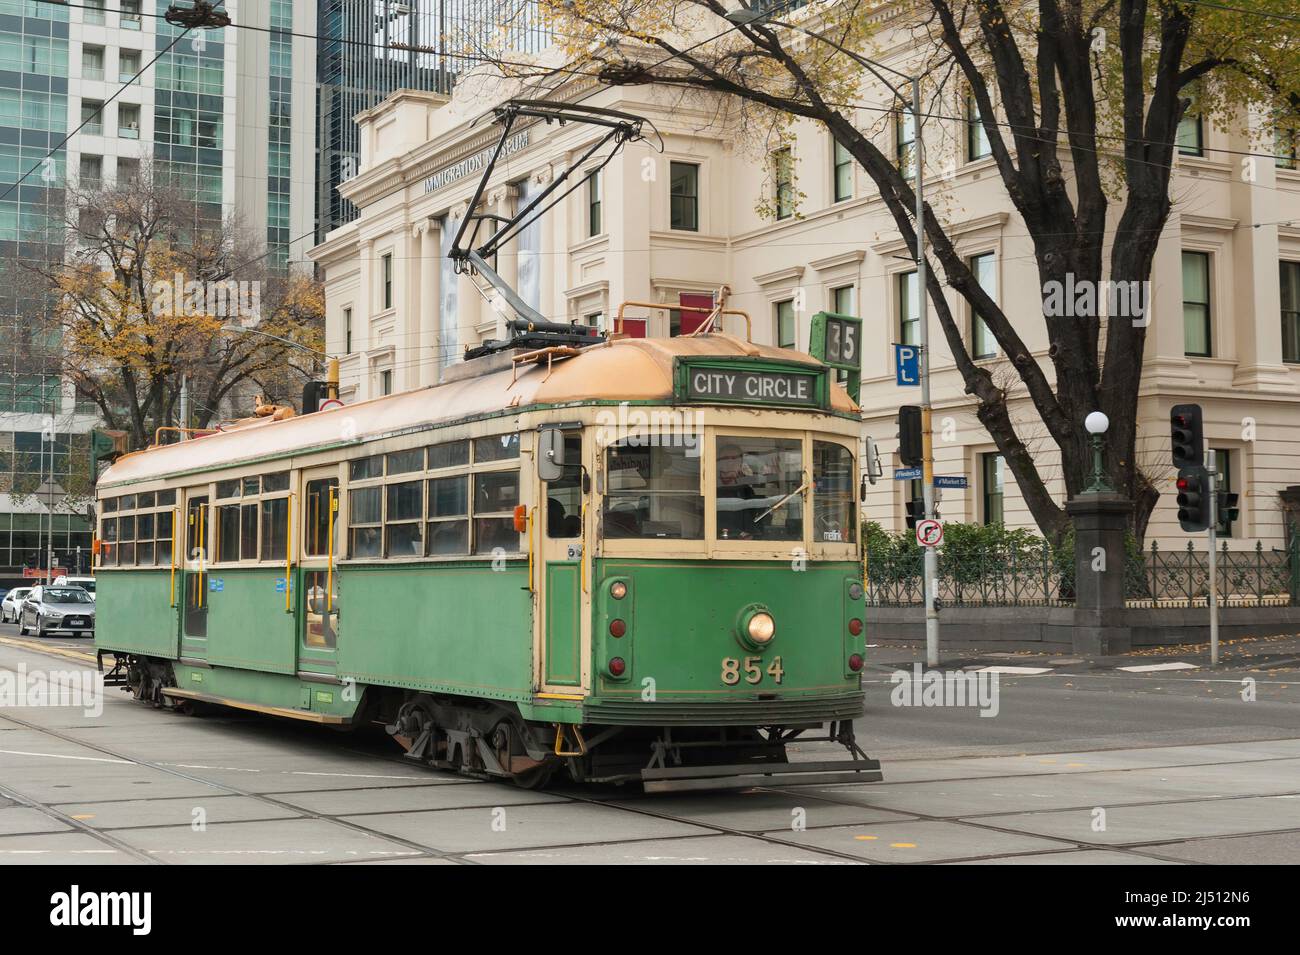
745	775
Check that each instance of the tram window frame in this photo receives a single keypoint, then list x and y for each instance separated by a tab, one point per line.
249	519
408	528
473	466
561	523
822	499
148	546
315	517
692	503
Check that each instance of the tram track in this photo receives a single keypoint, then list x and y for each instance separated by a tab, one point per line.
629	803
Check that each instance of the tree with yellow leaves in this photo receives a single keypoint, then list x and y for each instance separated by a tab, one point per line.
148	296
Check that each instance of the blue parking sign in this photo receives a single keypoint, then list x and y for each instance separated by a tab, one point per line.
907	365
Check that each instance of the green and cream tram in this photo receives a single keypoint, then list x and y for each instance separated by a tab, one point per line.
633	561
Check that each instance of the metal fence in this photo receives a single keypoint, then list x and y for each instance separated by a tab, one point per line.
1040	576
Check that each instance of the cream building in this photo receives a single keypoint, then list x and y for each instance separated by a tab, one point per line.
702	213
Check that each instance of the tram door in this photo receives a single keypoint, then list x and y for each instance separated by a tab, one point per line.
194	622
318	586
559	532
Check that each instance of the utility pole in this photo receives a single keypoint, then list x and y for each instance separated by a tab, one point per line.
185	406
1213	599
931	566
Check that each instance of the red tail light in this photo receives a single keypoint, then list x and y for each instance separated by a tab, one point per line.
617	666
855	662
855	626
617	627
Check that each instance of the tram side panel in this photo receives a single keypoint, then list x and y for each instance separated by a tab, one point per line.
136	611
248	625
453	628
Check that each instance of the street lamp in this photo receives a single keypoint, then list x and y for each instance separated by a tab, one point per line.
1096	424
764	13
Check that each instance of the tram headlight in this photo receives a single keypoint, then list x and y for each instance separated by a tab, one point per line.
755	627
618	590
761	628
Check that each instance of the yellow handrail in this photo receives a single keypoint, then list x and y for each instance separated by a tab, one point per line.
288	552
329	562
200	584
671	307
176	520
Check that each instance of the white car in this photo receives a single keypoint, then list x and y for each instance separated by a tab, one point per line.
12	604
85	583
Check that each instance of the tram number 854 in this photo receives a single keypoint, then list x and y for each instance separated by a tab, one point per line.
731	669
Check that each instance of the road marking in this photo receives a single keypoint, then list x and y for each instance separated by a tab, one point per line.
1016	671
1154	667
902	845
89	759
51	649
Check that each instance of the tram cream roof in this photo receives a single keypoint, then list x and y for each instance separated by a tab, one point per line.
629	369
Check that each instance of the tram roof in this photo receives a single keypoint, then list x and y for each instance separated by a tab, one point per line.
627	369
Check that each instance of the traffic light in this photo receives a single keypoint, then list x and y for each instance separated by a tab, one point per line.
1187	436
1227	507
909	436
915	511
1193	499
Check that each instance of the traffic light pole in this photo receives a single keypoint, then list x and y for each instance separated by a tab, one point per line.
1212	479
931	567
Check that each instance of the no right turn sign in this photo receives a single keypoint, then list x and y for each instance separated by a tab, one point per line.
929	532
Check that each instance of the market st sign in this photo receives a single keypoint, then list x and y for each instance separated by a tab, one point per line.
474	164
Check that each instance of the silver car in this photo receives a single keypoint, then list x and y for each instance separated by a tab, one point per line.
50	609
12	604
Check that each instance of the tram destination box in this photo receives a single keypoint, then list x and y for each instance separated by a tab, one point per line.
751	383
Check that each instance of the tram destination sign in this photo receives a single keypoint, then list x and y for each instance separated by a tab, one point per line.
740	383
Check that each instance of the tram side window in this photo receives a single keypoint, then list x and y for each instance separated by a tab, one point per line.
228	532
108	538
496	447
275	528
757	481
144	543
402	525
126	541
365	514
449	454
165	522
652	492
834	497
363	468
564	497
248	532
495	495
317	516
448	531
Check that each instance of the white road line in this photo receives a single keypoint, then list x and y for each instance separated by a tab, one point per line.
89	759
1015	671
1153	667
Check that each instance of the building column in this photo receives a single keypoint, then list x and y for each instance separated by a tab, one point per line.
502	202
362	317
1257	309
550	260
427	351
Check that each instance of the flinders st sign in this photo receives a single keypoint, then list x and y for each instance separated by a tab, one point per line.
474	164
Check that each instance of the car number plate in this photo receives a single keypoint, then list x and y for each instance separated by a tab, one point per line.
76	622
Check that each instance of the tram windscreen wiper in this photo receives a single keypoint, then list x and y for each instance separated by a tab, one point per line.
801	489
